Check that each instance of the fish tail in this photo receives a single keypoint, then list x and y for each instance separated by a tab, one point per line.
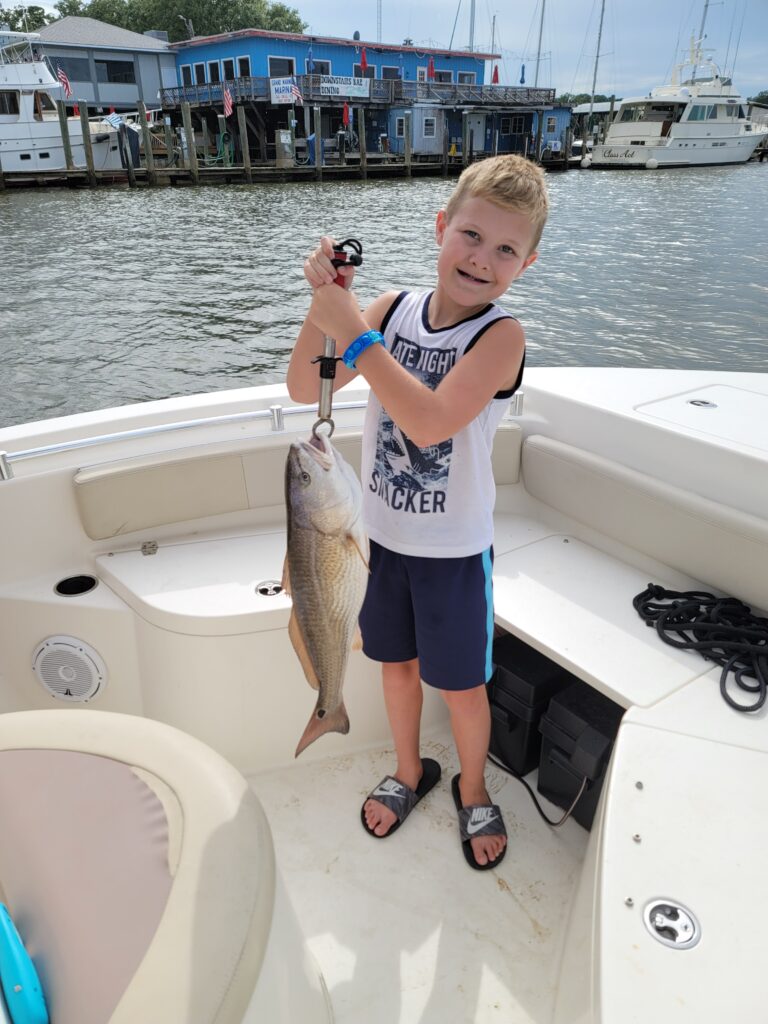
322	722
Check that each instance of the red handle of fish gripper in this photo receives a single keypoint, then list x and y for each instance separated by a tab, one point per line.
342	258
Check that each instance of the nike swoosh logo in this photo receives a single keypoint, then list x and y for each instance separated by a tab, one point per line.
388	792
473	827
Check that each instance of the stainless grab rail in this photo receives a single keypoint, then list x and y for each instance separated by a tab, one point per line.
275	413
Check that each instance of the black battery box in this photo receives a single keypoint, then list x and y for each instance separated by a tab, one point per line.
578	730
522	684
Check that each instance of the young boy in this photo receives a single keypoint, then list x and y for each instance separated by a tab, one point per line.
442	366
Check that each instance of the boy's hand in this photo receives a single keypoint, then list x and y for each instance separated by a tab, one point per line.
318	268
336	313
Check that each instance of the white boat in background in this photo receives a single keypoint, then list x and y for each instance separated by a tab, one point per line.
691	122
30	133
167	859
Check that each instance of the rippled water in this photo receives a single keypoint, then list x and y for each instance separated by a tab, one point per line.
116	296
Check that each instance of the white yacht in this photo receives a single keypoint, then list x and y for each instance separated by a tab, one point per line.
167	860
30	133
690	122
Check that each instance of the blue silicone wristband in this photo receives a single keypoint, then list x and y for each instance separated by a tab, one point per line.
359	345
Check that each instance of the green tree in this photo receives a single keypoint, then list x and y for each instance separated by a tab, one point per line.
573	99
24	19
762	97
207	17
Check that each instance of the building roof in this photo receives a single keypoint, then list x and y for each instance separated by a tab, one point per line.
597	108
297	37
90	32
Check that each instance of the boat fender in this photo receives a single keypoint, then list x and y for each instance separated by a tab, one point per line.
651	164
586	162
23	993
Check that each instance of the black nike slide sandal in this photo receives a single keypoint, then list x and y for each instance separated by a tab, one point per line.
478	820
399	798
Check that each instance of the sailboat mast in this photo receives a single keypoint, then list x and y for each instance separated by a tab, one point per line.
538	51
472	25
701	36
594	75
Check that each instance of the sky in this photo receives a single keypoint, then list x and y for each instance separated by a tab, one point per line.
640	42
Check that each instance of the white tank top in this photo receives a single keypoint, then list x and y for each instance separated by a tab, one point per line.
436	502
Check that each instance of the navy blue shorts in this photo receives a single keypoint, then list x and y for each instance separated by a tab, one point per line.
439	610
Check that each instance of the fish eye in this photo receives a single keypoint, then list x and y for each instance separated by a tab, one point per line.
305	478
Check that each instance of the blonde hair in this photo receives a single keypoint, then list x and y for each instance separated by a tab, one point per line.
511	182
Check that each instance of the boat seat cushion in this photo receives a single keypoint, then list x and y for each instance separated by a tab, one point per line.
138	867
725	548
144	493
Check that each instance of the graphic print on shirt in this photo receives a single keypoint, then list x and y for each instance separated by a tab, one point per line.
406	477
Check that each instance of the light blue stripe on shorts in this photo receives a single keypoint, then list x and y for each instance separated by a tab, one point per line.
488	570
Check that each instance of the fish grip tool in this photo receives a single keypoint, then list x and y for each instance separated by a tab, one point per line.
341	258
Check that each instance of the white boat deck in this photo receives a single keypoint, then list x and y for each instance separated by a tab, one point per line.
403	929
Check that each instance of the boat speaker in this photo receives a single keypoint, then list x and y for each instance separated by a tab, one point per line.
69	668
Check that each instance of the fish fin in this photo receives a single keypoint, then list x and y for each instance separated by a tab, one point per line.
285	582
294	632
332	721
357	640
356	543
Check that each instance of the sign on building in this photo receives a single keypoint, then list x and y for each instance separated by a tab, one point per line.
341	85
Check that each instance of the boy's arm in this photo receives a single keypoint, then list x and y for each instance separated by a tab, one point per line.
428	417
303	376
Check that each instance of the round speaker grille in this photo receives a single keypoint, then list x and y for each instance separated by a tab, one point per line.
69	669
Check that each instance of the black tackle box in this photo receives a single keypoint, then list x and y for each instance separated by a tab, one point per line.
519	691
578	730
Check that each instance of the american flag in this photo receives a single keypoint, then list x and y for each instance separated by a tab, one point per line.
227	102
296	93
61	74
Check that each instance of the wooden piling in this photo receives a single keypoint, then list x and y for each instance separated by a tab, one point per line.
464	139
539	130
206	140
64	125
407	139
2	179
189	135
446	143
146	135
362	144
318	144
127	154
169	143
244	149
87	144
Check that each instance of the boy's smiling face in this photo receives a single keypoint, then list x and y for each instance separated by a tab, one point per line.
483	249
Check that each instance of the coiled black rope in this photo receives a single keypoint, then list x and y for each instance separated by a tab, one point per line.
723	629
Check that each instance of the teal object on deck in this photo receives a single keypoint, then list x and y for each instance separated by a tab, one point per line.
21	986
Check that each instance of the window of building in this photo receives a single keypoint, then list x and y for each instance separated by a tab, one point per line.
186	74
200	74
281	67
518	124
505	126
421	74
443	76
120	71
430	126
551	124
319	67
390	71
9	103
467	77
400	127
370	71
244	67
213	71
228	67
77	69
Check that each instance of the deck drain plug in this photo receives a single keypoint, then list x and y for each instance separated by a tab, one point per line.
269	588
672	924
